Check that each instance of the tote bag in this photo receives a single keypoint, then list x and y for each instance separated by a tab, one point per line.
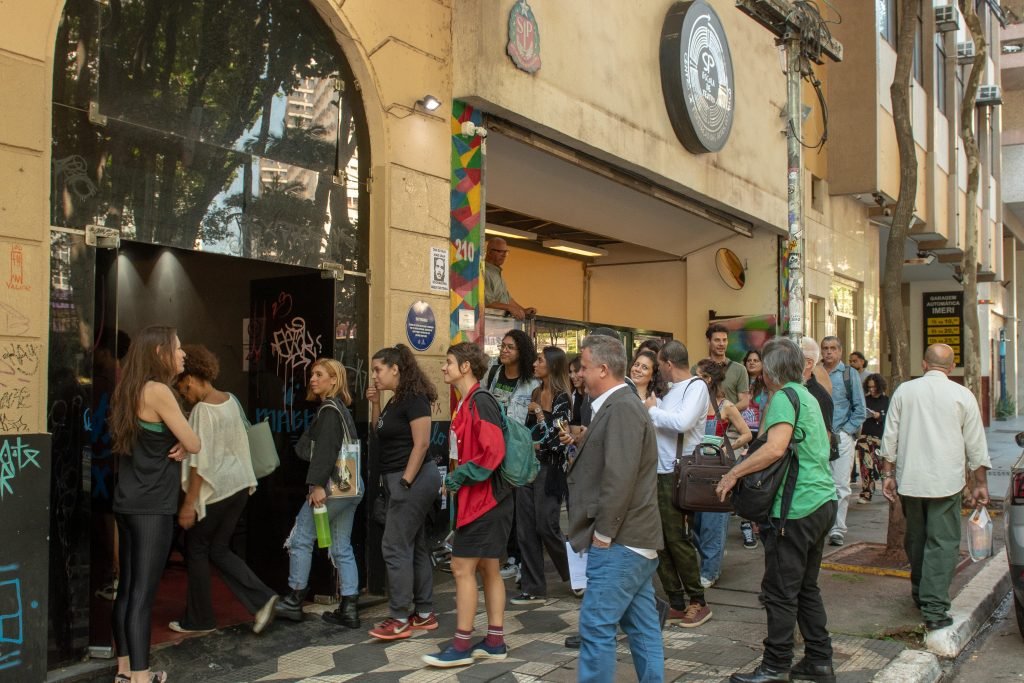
262	450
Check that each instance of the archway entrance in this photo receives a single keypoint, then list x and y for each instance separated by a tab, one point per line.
180	131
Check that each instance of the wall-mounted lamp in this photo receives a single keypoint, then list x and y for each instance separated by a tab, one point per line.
429	103
510	233
574	248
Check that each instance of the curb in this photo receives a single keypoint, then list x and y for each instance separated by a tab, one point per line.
972	608
911	666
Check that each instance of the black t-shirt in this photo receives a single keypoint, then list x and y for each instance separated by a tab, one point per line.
394	433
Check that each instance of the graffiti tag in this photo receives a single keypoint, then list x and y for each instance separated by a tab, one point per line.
15	456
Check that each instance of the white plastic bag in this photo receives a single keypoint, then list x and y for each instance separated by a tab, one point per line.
979	534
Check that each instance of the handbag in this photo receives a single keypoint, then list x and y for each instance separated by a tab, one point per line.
262	450
345	481
697	475
754	494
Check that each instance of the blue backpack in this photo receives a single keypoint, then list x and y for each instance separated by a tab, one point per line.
520	465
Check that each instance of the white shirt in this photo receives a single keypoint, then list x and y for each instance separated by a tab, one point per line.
224	462
596	404
683	410
933	423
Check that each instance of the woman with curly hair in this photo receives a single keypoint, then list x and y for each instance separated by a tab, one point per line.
411	484
483	510
511	381
871	431
645	374
217	481
152	436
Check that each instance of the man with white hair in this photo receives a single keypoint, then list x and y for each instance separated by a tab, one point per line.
812	371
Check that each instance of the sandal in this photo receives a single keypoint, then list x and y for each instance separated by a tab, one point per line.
154	677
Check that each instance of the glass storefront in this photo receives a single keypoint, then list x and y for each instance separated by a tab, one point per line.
210	160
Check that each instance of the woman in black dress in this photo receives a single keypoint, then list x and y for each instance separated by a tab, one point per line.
153	436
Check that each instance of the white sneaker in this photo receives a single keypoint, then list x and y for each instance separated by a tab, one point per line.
510	570
707	583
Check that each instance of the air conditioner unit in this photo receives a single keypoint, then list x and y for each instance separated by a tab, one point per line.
989	96
947	18
965	52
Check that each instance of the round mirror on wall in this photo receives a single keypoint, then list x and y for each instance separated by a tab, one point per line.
730	268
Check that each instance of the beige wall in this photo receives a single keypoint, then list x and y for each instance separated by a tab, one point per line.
649	296
705	289
599	90
26	56
398	55
551	284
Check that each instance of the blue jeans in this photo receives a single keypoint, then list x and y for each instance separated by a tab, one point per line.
619	592
709	531
300	543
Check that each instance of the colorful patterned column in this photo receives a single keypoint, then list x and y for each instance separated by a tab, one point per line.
467	227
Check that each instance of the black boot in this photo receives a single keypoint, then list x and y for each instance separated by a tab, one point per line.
290	606
808	671
346	615
762	674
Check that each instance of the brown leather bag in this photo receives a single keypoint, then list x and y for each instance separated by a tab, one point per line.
698	473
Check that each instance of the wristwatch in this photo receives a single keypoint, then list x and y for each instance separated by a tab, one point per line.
405	484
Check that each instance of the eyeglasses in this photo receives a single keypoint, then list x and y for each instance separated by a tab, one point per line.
508	347
499	251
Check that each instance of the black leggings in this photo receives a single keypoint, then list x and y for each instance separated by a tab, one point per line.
145	543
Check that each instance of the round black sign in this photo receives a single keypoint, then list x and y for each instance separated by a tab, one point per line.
696	76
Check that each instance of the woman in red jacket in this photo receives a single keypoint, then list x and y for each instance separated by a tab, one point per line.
483	505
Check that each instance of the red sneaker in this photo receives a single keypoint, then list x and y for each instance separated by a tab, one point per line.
418	623
392	629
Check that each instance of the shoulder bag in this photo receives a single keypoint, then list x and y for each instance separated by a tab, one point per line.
262	450
698	473
754	494
345	481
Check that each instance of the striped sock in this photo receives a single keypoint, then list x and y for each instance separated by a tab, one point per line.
495	636
461	641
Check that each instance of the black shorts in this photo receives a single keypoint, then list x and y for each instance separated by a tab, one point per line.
486	536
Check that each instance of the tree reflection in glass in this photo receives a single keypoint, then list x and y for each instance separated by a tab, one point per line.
230	126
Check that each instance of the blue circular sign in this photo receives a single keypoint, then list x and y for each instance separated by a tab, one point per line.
420	325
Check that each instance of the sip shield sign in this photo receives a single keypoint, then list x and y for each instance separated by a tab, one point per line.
696	76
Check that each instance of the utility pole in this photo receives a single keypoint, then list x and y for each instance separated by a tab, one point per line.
798	27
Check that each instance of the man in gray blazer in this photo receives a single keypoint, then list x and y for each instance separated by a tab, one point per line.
613	514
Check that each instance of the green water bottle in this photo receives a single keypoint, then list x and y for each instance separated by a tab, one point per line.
323	526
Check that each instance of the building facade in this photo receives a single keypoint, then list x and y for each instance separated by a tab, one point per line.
279	189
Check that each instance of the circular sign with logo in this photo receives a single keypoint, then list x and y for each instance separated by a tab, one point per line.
420	325
696	76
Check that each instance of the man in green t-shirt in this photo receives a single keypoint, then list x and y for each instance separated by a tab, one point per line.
792	587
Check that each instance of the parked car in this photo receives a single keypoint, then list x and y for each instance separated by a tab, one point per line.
1013	521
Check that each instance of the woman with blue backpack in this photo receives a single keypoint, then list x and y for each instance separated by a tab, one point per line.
483	509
